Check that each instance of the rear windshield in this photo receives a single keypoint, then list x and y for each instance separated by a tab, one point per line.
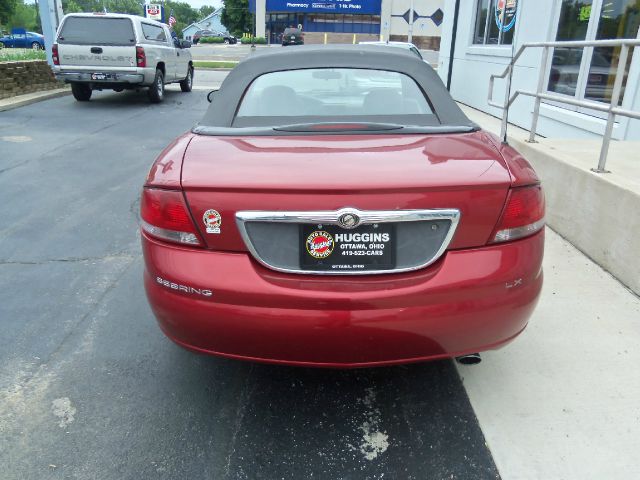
330	95
291	31
97	31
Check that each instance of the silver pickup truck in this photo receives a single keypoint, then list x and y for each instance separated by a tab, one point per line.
98	51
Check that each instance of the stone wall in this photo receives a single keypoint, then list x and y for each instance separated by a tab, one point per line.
17	78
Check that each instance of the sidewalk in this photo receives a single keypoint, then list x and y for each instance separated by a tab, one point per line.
29	98
561	401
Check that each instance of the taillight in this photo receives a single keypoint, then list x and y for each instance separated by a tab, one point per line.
141	57
522	216
54	54
165	216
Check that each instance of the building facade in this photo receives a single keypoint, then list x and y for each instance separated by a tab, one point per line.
210	22
488	32
340	21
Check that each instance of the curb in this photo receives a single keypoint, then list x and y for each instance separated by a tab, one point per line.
30	98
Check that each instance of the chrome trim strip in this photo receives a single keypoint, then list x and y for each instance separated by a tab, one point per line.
332	217
86	77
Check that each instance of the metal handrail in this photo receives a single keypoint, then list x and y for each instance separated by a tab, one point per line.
612	109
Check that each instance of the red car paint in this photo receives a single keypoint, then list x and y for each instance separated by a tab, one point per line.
476	296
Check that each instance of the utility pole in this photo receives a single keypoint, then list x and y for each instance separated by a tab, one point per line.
253	36
50	17
410	36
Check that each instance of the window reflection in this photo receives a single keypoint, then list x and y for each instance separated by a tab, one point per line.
490	13
565	65
618	19
569	68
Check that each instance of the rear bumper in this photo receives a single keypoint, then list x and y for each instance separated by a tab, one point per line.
85	77
469	301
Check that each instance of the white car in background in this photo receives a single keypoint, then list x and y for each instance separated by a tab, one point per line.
404	45
97	51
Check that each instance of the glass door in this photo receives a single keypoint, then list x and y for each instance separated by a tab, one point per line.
277	22
575	23
618	19
589	73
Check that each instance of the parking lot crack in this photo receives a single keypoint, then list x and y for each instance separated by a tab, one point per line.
111	256
243	402
12	167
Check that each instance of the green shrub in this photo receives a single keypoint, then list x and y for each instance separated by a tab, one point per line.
258	40
212	40
20	54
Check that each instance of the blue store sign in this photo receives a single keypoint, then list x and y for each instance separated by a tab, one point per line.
369	7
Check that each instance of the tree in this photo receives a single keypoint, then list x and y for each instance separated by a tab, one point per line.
206	10
38	19
71	6
237	17
184	14
182	11
24	16
7	7
133	7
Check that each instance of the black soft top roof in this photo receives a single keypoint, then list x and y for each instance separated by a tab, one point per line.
220	115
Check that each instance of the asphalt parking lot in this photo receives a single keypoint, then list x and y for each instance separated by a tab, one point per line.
90	387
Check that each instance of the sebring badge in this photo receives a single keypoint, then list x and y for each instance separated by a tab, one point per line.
212	221
349	220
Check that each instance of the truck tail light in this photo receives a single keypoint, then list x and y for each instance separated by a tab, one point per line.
165	216
523	214
54	54
141	57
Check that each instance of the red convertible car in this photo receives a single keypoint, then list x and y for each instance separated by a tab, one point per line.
336	208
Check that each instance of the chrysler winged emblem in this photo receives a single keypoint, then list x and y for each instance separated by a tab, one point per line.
349	220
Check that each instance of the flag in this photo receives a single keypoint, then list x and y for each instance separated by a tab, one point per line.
172	19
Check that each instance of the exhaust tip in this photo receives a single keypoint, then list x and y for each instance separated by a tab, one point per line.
471	359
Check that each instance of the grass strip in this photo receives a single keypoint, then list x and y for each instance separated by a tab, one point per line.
19	54
214	64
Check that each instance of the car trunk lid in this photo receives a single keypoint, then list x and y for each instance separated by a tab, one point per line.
331	172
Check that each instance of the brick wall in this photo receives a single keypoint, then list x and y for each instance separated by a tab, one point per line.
422	42
311	38
17	78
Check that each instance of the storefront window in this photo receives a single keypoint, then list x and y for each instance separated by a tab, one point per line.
565	66
618	19
591	74
341	23
495	22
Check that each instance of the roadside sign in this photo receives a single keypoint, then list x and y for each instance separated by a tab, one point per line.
153	11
